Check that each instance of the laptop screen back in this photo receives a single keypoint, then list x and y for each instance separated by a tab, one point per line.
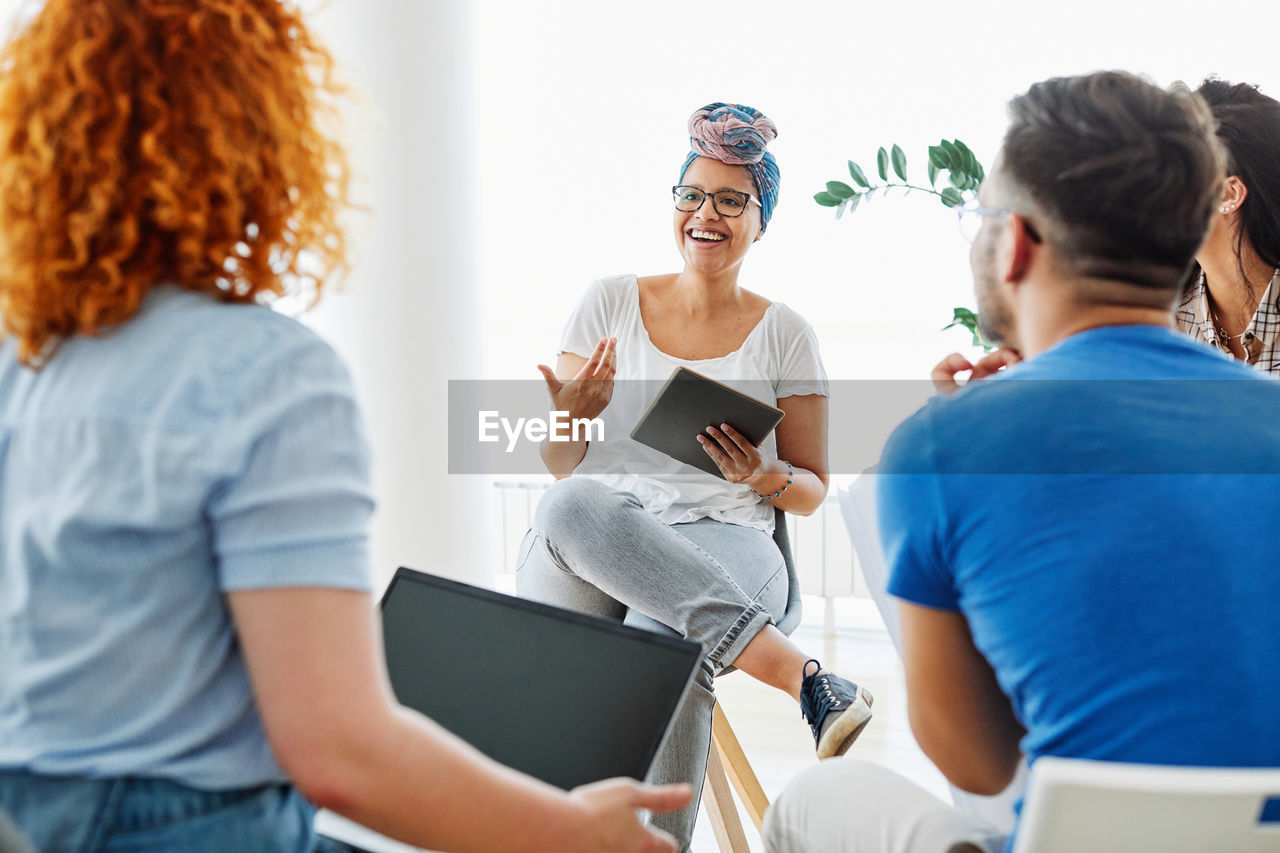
567	698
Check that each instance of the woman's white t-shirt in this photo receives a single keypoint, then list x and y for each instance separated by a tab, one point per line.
779	358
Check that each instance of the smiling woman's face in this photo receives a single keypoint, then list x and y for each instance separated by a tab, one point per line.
709	241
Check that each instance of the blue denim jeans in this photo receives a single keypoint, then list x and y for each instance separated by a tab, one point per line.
75	815
599	551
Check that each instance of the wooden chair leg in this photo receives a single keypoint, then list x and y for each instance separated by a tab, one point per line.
738	768
723	813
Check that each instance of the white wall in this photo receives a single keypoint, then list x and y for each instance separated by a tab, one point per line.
579	101
409	320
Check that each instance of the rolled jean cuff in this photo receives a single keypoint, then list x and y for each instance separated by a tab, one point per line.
737	637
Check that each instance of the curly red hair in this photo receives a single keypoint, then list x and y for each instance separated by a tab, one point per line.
145	142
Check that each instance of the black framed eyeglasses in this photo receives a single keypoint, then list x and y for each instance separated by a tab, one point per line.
726	202
970	215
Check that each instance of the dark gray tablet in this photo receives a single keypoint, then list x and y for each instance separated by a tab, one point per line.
690	402
565	697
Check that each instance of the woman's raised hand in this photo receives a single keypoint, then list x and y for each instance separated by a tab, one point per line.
589	391
736	457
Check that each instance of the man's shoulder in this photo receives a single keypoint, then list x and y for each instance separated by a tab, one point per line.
1165	414
910	448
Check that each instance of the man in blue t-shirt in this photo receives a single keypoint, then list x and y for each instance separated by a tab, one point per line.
1084	546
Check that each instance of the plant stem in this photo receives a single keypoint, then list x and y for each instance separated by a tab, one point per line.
890	186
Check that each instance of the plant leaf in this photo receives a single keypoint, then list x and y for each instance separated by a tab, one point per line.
882	163
951	197
826	199
841	208
855	201
840	189
899	161
969	320
955	160
859	177
970	161
933	174
949	156
938	157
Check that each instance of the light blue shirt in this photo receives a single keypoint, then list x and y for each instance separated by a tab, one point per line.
198	449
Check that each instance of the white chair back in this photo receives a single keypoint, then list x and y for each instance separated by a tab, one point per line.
858	506
1074	805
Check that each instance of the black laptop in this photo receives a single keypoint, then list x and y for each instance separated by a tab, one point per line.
567	698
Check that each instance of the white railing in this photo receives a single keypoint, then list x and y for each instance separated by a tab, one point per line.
825	560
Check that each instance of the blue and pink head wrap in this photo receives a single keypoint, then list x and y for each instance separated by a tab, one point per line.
737	135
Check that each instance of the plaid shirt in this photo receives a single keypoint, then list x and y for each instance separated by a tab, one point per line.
1261	339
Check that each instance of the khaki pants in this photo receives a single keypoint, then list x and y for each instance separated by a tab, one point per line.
845	805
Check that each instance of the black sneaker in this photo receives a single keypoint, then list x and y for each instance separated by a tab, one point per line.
837	710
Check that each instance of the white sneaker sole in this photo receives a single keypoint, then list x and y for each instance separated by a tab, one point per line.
837	739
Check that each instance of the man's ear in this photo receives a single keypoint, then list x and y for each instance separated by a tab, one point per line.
1018	250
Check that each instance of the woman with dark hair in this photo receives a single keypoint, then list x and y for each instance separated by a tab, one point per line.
629	533
1232	300
186	630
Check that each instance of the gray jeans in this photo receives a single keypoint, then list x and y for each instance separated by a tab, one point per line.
599	551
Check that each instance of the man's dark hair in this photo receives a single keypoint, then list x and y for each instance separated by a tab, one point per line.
1248	125
1127	174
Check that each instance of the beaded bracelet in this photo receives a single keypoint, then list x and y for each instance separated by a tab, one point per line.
778	493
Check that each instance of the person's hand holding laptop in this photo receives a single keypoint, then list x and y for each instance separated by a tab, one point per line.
507	674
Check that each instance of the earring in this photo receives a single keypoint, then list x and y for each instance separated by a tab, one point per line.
1226	208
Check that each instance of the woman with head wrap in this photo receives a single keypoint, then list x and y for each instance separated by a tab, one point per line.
630	533
186	631
1232	301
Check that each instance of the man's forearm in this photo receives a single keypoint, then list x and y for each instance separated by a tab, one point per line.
959	715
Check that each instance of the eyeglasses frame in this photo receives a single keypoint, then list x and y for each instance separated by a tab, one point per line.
972	207
712	195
